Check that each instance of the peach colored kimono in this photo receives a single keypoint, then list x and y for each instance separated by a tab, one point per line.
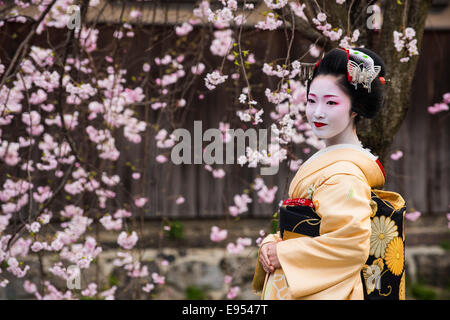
338	180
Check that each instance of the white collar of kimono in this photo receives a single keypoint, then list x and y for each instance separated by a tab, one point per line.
343	145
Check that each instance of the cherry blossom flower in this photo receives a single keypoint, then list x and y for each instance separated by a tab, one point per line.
109	294
140	202
406	40
294	165
222	43
136	175
232	293
161	158
111	224
413	216
396	155
179	200
88	39
158	279
275	4
146	67
135	14
271	22
34	227
218	174
244	115
218	234
222	17
267	195
321	17
439	107
90	291
298	8
184	29
227	279
127	241
240	206
314	50
198	68
29	287
148	287
260	238
213	79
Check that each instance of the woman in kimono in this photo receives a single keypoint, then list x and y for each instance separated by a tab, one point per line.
337	180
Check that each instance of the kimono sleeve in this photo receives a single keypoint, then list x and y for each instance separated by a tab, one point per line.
329	265
260	274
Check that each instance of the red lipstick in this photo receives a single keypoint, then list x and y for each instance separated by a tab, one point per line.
319	124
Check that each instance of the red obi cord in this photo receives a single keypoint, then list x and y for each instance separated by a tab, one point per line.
298	202
382	168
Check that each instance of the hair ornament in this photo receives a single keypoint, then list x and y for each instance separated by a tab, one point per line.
306	70
362	69
383	80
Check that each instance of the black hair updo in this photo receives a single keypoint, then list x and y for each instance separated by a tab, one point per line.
365	104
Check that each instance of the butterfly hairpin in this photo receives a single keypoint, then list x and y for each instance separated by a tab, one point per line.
363	72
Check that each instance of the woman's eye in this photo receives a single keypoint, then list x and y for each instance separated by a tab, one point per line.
332	102
310	101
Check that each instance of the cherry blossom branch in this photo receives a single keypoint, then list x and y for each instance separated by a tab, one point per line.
23	48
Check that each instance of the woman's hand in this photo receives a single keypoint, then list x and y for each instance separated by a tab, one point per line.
268	257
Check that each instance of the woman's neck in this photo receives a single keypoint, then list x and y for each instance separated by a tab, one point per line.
348	136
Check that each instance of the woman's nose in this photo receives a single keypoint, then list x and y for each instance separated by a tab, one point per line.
318	112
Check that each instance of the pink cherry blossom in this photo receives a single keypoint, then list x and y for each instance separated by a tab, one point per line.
232	293
267	195
148	287
218	174
446	97
275	4
396	155
227	279
214	78
234	248
111	224
179	200
158	279
29	287
271	23
184	29
140	202
321	17
412	216
218	234
136	175
135	14
90	291
161	158
127	241
438	107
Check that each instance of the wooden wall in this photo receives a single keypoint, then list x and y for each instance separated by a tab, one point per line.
422	175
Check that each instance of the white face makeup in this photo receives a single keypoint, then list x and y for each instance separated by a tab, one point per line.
328	104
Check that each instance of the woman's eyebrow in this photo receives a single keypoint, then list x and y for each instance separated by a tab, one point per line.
326	96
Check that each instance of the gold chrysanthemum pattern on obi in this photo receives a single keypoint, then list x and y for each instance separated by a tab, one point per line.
383	231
